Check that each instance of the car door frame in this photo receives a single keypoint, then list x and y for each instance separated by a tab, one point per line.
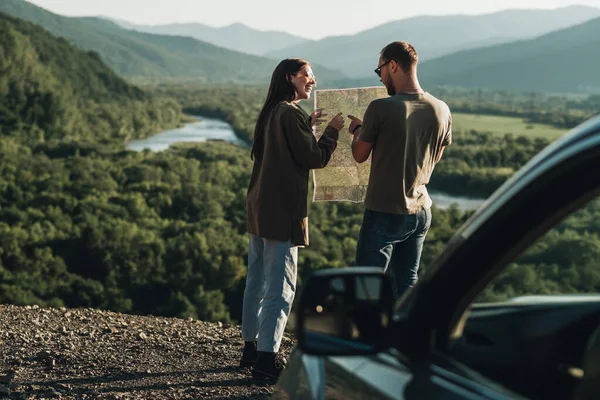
559	180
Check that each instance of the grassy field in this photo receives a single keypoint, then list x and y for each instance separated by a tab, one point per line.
503	125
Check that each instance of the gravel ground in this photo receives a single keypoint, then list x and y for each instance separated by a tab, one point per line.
91	354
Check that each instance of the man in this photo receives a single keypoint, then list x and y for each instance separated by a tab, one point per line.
406	133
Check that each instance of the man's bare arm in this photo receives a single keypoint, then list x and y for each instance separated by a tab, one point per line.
360	150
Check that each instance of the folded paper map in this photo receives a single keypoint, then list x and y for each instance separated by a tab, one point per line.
343	179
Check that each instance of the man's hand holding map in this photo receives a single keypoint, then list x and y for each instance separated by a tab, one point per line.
343	179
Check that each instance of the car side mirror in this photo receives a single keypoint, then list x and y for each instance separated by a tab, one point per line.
345	311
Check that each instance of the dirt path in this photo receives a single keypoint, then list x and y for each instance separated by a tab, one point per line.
92	354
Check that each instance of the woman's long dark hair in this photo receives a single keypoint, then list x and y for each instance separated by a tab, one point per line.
280	89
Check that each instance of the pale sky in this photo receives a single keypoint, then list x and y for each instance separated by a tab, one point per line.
313	19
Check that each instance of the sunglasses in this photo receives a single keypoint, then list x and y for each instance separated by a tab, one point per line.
378	69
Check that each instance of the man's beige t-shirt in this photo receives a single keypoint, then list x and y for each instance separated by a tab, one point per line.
408	132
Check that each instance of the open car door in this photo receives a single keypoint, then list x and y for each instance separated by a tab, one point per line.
537	346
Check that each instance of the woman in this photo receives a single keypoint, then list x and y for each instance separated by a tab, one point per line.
284	151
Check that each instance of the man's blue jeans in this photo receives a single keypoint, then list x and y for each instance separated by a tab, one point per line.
393	242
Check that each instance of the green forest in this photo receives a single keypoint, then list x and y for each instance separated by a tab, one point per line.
86	223
53	94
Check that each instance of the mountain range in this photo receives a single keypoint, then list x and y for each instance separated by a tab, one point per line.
563	61
567	60
159	57
238	37
435	36
541	50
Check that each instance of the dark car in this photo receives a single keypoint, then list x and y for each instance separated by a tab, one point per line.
436	342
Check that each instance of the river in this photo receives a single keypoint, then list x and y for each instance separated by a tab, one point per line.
214	129
198	131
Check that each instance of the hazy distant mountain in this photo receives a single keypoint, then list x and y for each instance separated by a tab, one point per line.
435	36
144	55
237	37
567	60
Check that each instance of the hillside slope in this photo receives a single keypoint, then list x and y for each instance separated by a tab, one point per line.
50	90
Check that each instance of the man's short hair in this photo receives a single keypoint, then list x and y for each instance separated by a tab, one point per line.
401	52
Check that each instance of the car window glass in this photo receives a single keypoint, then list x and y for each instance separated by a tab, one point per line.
565	260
